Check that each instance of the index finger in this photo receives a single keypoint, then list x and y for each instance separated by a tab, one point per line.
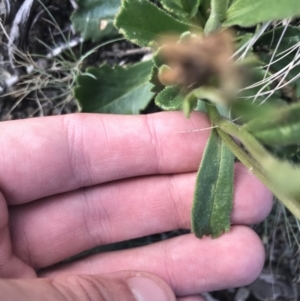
46	156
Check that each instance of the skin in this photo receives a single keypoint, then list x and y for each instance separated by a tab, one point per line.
70	183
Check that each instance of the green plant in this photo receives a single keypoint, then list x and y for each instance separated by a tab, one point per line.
246	80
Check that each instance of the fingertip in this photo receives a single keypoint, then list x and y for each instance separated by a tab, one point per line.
246	256
148	287
253	201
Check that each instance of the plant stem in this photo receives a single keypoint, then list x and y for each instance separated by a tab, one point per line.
226	129
217	16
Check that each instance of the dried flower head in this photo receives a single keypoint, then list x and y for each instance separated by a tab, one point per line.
198	60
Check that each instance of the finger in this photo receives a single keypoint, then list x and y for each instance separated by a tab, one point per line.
189	265
47	156
63	226
125	286
10	265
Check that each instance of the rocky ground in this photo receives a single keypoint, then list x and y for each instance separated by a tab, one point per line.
37	81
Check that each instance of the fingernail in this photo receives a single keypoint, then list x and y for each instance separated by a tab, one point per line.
146	289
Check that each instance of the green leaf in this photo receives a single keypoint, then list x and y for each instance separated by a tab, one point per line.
201	106
280	37
209	93
115	90
290	153
94	18
256	85
243	39
184	8
285	177
170	99
189	104
251	12
246	110
143	23
214	189
277	128
281	177
154	80
157	58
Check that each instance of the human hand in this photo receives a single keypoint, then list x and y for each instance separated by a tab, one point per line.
71	183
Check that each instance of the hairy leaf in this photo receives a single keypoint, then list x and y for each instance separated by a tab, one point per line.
249	12
214	190
285	177
280	176
94	18
143	23
277	128
190	104
154	80
185	8
246	110
170	99
115	90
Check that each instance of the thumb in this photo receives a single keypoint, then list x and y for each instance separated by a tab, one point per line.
121	286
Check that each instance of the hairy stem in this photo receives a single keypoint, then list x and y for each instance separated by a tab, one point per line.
217	16
226	129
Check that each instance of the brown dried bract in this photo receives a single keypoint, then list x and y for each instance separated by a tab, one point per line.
198	60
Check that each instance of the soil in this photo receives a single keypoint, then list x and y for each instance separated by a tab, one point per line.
280	278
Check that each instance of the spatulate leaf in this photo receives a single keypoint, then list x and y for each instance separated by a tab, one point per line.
214	190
